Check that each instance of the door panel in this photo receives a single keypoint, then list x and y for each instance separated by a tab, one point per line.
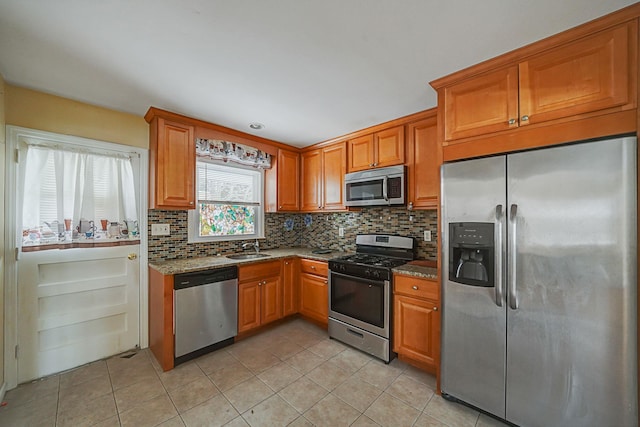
75	306
473	325
271	303
572	339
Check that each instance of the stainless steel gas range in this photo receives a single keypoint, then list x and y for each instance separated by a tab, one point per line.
360	289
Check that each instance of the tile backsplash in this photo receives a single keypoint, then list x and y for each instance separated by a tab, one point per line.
308	230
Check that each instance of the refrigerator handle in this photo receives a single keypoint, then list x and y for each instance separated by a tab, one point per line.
513	293
498	256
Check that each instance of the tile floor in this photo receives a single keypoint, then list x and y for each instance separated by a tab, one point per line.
291	375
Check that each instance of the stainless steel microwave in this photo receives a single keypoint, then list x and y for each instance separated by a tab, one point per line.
375	187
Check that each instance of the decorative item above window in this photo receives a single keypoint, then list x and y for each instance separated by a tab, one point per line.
232	152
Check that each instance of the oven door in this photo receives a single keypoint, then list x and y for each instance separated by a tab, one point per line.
360	302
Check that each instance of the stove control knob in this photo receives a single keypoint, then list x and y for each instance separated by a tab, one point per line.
342	267
376	274
367	272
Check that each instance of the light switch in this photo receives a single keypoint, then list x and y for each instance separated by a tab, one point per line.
427	235
160	230
341	232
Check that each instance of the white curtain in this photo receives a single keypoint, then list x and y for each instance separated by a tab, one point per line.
61	184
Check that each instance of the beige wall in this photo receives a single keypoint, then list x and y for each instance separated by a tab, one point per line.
37	110
2	150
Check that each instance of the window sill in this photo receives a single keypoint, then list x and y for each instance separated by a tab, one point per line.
86	243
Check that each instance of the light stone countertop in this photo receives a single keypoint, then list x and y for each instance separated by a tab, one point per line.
417	271
187	265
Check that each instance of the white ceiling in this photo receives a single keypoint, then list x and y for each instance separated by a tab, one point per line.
309	70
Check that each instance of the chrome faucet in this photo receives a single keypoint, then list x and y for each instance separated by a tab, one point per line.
255	245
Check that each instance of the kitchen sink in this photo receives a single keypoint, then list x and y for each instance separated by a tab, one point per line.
247	256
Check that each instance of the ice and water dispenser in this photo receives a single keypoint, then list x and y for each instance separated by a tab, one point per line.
471	253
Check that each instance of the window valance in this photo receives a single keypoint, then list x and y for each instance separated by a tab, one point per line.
232	152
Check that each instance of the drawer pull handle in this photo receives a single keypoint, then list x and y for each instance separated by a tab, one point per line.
313	267
414	287
435	308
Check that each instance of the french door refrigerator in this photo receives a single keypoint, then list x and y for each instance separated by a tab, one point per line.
540	284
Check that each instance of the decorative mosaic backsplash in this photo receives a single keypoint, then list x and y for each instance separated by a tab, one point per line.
307	230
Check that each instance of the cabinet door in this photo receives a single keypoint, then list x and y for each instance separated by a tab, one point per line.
424	167
290	286
175	166
334	163
389	147
483	104
248	305
360	153
314	297
417	329
271	300
588	75
288	185
311	180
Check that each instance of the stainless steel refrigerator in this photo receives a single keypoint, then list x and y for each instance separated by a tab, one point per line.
539	281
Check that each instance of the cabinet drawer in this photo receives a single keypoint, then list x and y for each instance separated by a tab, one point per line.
258	270
414	287
319	268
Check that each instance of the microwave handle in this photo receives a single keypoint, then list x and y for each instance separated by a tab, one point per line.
384	189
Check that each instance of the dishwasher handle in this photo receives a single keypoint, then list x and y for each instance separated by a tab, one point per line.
197	278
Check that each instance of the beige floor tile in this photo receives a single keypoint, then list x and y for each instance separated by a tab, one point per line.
357	393
410	391
327	348
126	377
34	390
193	394
248	394
350	360
173	422
364	421
305	338
78	395
84	373
304	361
328	375
303	394
89	412
132	360
181	375
285	349
150	413
450	413
279	376
487	421
300	422
273	411
39	412
421	376
214	412
425	420
379	374
258	362
331	412
215	361
109	422
230	375
237	422
140	392
389	411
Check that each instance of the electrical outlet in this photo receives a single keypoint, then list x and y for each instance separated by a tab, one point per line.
160	230
427	235
341	232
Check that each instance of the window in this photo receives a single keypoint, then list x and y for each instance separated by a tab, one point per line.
229	203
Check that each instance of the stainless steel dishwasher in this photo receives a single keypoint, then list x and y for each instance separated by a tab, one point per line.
206	311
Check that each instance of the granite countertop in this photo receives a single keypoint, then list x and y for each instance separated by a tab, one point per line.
177	266
419	268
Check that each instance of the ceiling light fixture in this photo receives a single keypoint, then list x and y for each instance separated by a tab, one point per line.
256	126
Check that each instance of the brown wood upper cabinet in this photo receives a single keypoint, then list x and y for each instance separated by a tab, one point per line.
172	165
282	183
423	163
323	173
377	150
590	74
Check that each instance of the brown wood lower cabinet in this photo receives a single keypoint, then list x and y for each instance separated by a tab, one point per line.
290	286
417	321
259	294
314	290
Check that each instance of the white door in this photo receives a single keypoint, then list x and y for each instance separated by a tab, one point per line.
76	306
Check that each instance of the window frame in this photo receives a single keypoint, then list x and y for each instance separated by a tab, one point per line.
193	219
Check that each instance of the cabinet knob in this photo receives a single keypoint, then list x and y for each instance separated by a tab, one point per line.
190	203
286	263
435	308
280	207
512	121
525	118
375	164
326	281
410	206
370	165
313	267
414	287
